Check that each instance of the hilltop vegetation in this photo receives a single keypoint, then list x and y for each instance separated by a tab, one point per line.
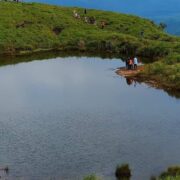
33	27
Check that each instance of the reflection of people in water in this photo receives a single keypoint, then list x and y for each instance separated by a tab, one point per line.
130	81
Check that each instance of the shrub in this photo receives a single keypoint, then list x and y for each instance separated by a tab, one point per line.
154	51
156	68
172	59
173	171
123	172
91	177
81	45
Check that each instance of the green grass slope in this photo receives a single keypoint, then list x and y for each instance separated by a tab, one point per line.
32	27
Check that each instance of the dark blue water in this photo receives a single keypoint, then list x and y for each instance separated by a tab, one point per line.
65	118
167	11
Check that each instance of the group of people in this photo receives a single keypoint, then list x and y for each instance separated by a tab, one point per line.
132	63
76	15
90	20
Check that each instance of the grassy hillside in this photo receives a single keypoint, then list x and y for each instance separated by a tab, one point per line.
160	11
32	27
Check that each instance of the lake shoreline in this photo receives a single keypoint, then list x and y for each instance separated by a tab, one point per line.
153	81
49	28
138	75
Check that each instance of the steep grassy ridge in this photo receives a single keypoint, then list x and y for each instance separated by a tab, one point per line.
32	26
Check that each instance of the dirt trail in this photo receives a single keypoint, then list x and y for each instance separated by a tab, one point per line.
129	73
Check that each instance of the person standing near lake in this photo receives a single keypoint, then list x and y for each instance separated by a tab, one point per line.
135	63
131	63
127	63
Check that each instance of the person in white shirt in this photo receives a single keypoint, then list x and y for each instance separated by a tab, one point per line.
135	63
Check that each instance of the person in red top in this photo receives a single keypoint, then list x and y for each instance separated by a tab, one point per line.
131	63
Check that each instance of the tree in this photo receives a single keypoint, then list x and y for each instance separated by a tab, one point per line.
162	25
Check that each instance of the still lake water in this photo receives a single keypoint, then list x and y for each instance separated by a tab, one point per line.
65	118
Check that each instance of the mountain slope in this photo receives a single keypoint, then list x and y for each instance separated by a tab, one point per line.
32	26
159	11
140	7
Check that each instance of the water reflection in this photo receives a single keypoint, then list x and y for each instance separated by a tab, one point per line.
4	172
9	60
131	81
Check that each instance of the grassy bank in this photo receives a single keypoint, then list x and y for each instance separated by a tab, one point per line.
123	172
32	27
172	173
166	72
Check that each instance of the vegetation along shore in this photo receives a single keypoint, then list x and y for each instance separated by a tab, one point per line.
123	172
32	27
